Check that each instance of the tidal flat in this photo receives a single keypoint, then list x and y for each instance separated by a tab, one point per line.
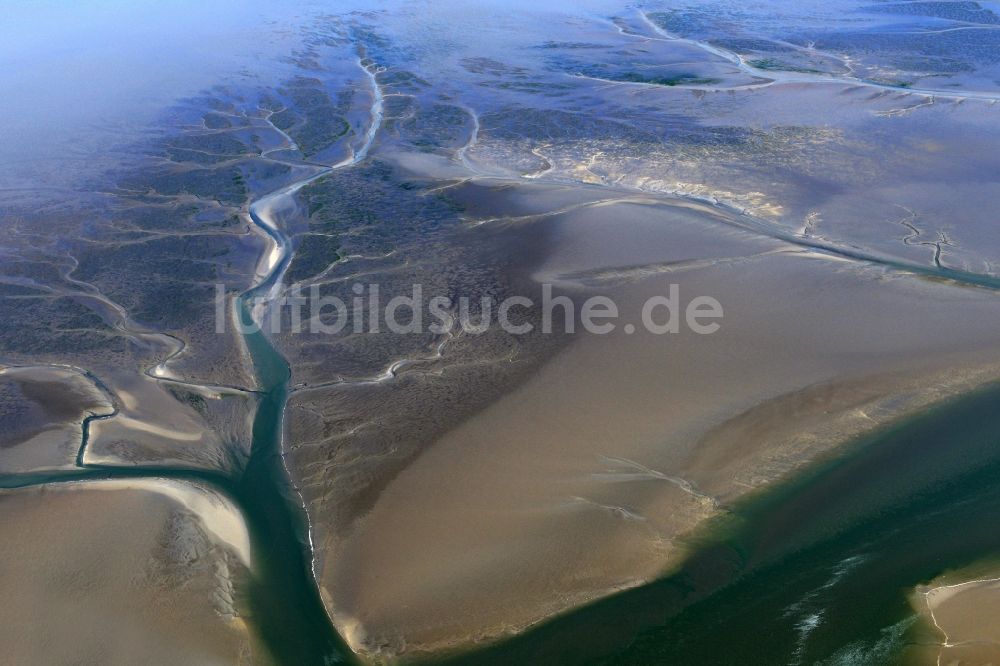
267	490
757	405
153	563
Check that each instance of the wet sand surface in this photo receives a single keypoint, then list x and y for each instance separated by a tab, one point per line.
159	423
165	593
821	169
537	503
44	409
959	612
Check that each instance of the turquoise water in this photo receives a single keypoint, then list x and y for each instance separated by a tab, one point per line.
816	571
282	600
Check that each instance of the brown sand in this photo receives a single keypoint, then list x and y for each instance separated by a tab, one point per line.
162	424
121	572
962	610
586	478
42	410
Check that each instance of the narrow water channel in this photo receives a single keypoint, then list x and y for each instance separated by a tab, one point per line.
284	598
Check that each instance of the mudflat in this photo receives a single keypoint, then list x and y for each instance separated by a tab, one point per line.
167	592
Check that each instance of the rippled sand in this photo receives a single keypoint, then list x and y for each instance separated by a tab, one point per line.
123	572
586	478
460	488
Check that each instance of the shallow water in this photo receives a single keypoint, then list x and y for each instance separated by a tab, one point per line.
873	142
284	605
815	571
284	600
